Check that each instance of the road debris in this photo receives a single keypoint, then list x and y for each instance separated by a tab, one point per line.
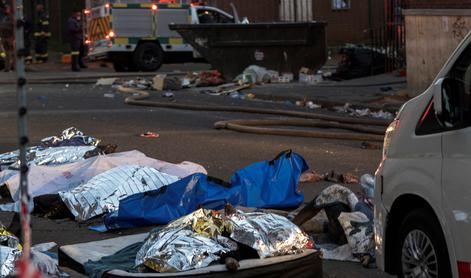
308	76
109	95
366	112
106	81
370	146
313	177
350	224
149	134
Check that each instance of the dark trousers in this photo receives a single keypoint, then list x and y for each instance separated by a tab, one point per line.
77	50
41	49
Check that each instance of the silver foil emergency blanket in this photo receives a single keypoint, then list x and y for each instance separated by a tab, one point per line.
70	137
102	193
10	251
269	234
190	242
69	147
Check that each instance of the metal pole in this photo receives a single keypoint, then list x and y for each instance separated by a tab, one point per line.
20	53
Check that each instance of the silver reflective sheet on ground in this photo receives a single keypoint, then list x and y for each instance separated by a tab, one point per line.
9	252
178	249
8	257
269	234
60	155
102	193
70	134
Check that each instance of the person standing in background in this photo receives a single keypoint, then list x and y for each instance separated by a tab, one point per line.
74	27
28	29
41	34
7	35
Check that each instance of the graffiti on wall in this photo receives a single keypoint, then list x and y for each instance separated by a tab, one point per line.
459	28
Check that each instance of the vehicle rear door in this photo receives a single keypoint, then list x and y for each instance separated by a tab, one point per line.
456	148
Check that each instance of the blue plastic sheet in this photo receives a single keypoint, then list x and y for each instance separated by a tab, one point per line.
266	184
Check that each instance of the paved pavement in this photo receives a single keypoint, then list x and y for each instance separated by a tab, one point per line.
184	135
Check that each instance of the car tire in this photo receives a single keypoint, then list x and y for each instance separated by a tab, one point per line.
420	237
148	56
119	66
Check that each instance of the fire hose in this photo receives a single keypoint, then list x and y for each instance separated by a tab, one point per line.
359	126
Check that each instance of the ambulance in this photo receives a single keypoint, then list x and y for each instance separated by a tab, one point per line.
134	34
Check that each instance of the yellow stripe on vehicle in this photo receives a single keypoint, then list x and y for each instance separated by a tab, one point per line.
45	22
119	5
175	41
75	53
174	5
146	5
121	40
3	55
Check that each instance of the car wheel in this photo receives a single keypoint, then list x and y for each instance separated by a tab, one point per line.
422	250
149	56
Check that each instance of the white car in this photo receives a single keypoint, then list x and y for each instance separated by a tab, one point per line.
423	184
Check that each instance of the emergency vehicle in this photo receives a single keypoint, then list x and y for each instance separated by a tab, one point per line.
135	34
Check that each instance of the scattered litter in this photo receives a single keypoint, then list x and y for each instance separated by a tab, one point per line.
366	112
350	222
67	85
313	177
109	95
139	83
370	146
250	96
308	76
286	78
208	78
312	105
168	94
150	134
235	94
106	81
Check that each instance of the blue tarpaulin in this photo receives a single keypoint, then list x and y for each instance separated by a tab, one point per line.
266	184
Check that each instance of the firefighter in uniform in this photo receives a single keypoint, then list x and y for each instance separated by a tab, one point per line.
74	27
28	29
41	34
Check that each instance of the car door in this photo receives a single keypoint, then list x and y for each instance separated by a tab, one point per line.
456	148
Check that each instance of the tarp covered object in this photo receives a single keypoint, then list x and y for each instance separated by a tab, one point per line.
48	180
266	184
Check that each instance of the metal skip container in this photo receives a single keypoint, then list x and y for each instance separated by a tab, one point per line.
284	47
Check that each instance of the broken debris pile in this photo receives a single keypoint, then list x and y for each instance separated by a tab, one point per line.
349	227
365	112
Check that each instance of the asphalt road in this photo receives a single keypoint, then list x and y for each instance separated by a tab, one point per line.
184	135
